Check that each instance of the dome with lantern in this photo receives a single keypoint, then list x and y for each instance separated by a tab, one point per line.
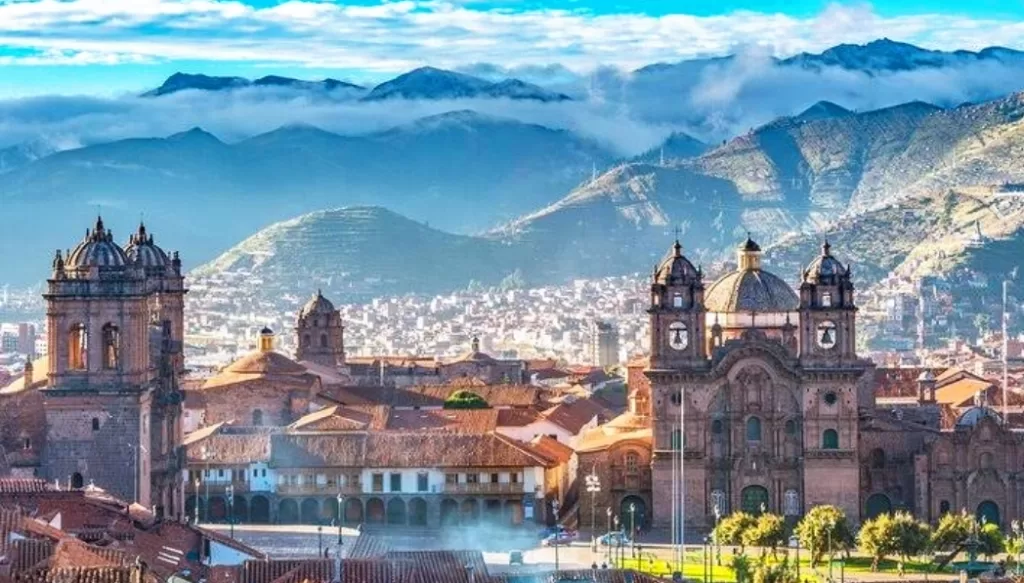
97	249
826	269
675	268
143	251
749	288
317	305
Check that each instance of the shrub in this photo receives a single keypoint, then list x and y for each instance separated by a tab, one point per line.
465	400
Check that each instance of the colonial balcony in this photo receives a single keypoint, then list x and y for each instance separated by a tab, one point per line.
485	488
318	489
219	487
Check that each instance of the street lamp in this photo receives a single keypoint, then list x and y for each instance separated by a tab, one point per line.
230	491
705	558
341	503
618	539
632	528
593	483
608	513
718	548
556	540
1018	533
195	509
831	525
320	540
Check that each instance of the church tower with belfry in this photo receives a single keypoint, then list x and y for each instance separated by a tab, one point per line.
112	404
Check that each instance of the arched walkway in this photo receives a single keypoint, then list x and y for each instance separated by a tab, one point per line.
989	512
259	511
329	511
633	512
514	512
418	512
877	505
288	511
190	507
396	511
240	510
310	511
492	511
449	512
754	500
470	511
218	509
353	511
375	511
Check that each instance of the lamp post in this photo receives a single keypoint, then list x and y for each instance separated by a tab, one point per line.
593	483
195	509
705	558
341	503
794	542
618	539
555	541
206	481
608	513
1018	532
718	548
831	524
230	492
632	528
320	540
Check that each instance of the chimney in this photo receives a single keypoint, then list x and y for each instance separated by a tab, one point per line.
28	372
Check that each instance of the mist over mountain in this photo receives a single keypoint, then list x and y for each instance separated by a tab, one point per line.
461	171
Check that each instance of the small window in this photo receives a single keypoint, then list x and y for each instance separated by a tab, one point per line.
26	443
494	478
753	429
451	479
877	458
95	424
111	346
674	439
826	300
677	301
716	427
422	482
472	478
78	347
323	341
831	398
396	482
944	507
220	473
632	463
257	417
790	427
255	473
263	473
377	484
830	439
514	477
305	340
675	398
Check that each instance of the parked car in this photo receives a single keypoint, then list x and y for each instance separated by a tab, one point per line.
614	539
515	558
559	539
550	530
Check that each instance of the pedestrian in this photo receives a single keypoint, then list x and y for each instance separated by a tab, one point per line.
593	566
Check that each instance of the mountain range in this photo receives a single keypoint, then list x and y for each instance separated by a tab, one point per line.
421	83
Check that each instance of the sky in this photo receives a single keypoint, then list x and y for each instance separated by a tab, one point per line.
107	47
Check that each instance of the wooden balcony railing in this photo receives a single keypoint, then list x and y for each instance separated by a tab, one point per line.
485	488
318	489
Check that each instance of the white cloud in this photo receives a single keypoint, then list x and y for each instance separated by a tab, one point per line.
394	35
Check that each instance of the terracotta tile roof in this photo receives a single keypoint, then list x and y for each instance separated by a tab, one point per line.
315	571
368	546
74	553
517	417
898	382
541	363
265	366
39	368
230	448
312	450
573	414
83	575
342	418
455	421
495	395
24	486
552	448
27	553
411	450
201	434
962	391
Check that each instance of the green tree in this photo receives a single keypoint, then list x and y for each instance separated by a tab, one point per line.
513	281
818	527
1014	547
741	566
896	534
465	400
953	529
992	540
731	529
767	532
770	572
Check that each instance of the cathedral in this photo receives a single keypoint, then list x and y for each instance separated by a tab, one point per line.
754	398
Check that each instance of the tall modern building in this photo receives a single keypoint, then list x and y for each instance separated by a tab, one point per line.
604	344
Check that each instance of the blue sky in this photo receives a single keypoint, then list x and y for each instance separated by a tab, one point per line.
110	46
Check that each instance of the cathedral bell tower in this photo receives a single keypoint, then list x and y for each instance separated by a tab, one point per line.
828	332
321	336
677	313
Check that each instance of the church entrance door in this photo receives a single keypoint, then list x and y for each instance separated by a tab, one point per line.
877	505
989	511
754	500
632	513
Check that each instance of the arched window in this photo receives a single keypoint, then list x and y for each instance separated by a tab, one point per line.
716	427
305	340
632	463
323	341
944	507
26	443
257	417
790	427
877	458
77	482
111	346
95	424
78	347
830	439
676	439
753	429
985	461
677	300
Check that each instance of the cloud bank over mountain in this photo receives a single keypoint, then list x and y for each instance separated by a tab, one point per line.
629	111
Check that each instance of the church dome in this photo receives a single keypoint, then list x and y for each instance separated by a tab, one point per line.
825	269
974	415
317	304
143	251
97	249
750	288
675	268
